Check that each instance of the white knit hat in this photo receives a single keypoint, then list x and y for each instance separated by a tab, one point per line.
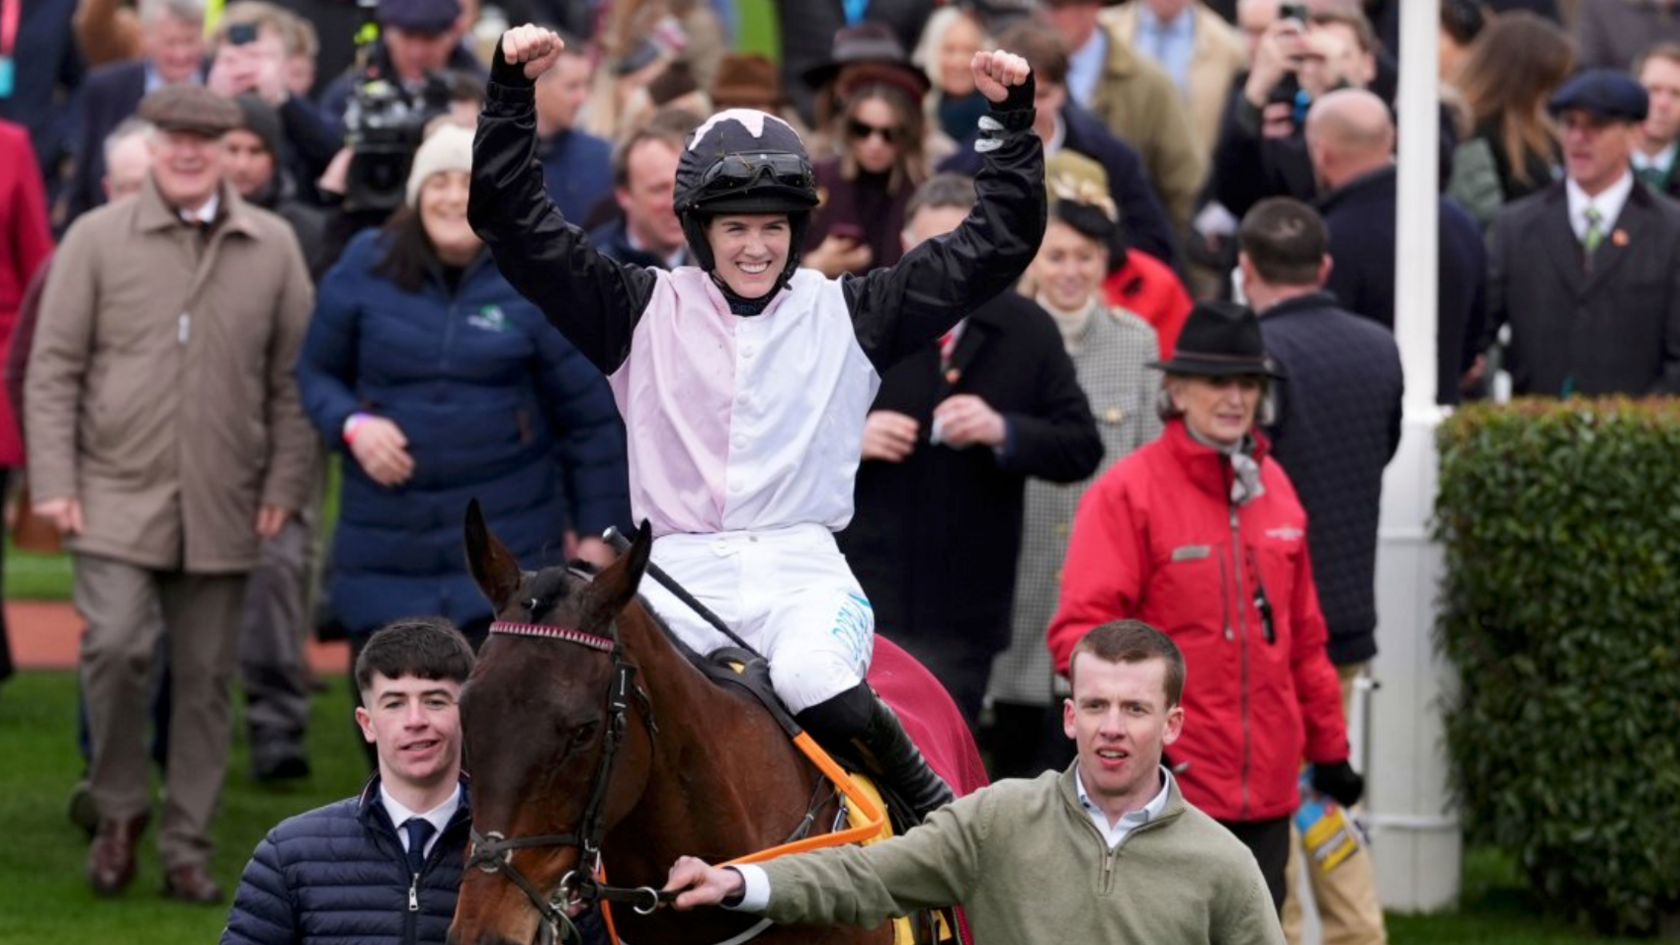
447	148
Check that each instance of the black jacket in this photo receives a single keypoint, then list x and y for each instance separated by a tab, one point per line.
338	874
1361	217
597	303
1338	425
935	539
1610	329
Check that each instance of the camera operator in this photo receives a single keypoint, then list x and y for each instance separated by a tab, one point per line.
418	41
405	79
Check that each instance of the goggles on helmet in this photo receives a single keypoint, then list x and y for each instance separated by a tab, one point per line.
745	170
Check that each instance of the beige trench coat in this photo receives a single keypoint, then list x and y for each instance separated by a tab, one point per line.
160	390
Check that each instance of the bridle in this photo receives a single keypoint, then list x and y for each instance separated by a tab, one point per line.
492	852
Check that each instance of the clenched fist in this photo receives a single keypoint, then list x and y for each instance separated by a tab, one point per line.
995	71
533	47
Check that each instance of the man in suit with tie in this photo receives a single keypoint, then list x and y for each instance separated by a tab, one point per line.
1584	272
358	868
1658	141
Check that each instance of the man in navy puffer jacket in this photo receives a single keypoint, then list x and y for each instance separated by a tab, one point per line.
344	872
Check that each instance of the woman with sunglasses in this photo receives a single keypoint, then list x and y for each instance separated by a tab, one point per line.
744	382
879	133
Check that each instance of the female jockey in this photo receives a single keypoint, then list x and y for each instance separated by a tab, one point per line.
744	382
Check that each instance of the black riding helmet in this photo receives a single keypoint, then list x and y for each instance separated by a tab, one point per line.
744	161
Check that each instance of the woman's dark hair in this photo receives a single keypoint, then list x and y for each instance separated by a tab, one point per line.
1090	222
409	253
1511	70
910	168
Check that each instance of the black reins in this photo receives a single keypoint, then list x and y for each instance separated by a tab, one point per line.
492	852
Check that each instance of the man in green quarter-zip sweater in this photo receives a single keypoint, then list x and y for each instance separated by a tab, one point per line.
1106	851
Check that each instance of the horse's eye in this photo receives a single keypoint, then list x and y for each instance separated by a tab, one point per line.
580	736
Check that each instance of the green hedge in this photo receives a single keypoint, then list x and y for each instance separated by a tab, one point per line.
1561	612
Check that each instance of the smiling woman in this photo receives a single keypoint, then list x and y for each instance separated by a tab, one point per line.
443	384
750	250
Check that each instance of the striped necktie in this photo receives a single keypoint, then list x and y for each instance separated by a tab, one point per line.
1594	236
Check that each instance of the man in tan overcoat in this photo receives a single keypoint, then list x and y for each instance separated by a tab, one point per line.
167	443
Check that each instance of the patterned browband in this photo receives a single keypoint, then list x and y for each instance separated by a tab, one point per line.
553	633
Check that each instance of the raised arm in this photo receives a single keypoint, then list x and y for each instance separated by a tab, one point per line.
899	309
594	301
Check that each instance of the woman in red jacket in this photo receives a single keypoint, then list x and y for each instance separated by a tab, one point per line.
25	243
1199	534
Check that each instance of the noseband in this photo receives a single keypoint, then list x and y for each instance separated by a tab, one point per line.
492	852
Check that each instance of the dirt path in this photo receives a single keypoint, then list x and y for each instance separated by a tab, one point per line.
45	634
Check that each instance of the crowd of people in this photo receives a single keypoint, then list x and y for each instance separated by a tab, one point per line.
236	242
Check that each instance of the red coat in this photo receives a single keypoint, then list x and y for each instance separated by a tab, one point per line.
1157	539
1149	289
25	242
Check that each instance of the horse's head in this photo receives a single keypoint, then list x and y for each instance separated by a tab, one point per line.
541	735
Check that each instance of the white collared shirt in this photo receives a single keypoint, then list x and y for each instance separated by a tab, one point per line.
1661	161
1171	44
1609	203
1114	834
438	816
1085	67
205	214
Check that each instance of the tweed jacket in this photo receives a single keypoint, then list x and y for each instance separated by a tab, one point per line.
1216	57
1112	367
160	390
1140	103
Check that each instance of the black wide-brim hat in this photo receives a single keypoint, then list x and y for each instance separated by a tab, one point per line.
872	44
1220	339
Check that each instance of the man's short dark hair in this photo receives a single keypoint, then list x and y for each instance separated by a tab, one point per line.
671	125
945	189
1133	641
1285	240
1041	45
424	647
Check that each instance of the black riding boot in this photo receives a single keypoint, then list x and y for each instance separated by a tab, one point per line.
861	728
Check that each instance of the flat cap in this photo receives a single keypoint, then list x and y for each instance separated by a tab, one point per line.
192	108
1607	93
419	16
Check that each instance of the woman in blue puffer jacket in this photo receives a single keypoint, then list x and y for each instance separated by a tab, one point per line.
443	384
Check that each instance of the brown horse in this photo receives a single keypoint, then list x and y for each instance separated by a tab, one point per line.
584	724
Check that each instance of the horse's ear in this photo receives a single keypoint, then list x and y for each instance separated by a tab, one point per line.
492	565
616	585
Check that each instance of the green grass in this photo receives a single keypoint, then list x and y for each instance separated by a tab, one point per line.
36	576
1495	908
45	901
